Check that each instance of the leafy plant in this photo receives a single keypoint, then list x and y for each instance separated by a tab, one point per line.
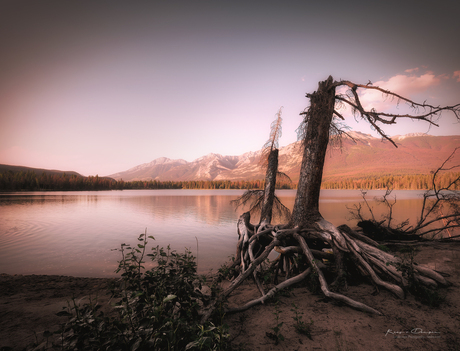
276	335
226	270
300	326
155	309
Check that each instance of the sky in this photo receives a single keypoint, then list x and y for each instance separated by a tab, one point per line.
99	87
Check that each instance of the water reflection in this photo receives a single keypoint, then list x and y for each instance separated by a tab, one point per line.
71	233
210	209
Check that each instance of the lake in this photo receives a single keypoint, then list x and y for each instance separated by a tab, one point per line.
72	233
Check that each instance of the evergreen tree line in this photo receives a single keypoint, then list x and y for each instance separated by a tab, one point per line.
396	182
30	181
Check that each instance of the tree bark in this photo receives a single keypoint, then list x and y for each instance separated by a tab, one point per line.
318	122
269	193
308	232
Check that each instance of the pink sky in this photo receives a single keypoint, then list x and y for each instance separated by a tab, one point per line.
100	87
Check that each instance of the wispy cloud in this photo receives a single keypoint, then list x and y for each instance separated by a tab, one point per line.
407	85
457	74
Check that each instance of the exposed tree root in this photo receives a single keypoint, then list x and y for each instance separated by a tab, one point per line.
298	278
300	243
293	244
324	287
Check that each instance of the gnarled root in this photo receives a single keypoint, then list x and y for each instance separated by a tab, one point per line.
357	305
381	268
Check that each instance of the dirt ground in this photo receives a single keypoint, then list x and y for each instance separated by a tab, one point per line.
28	307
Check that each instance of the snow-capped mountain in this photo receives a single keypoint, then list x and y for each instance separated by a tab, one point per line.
358	155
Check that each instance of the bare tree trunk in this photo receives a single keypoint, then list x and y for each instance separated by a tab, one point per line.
318	118
307	231
269	193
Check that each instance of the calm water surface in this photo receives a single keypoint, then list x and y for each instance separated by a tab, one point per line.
72	233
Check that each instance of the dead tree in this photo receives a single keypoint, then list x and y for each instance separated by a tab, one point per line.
442	202
263	202
439	213
307	227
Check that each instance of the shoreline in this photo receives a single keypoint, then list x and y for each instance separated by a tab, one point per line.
29	304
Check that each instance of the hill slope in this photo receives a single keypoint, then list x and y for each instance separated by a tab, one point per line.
6	168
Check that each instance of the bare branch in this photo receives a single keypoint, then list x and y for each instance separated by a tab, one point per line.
375	117
339	115
440	210
436	109
371	117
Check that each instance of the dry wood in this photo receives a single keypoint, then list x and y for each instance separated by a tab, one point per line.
391	287
307	232
287	283
352	303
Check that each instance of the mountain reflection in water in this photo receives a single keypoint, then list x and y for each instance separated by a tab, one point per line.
72	233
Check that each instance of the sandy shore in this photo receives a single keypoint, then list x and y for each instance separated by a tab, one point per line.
28	307
28	304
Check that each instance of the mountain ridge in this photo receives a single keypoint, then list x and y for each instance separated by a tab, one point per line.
360	155
15	168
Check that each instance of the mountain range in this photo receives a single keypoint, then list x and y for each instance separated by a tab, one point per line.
358	155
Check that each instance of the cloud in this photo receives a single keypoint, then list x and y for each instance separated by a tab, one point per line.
406	85
457	74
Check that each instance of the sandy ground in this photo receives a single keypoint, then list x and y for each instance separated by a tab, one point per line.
28	307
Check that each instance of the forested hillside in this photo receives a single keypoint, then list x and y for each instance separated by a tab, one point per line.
361	162
32	181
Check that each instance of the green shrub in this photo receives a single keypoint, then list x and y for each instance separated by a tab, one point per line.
155	309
